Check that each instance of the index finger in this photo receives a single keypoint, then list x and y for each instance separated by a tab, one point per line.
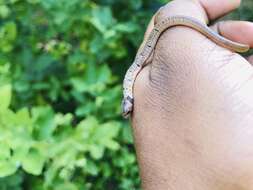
202	10
215	9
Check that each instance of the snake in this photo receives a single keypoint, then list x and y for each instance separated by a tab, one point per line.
146	50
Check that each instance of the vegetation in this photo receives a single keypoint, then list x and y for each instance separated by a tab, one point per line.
61	67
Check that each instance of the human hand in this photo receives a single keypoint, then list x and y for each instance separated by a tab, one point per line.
193	111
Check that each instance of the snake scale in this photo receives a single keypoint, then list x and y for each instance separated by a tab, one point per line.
145	52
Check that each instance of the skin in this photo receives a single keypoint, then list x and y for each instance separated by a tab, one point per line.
148	49
193	112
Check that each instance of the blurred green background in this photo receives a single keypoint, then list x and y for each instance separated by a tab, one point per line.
61	67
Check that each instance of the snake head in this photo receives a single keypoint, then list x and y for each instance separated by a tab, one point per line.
127	106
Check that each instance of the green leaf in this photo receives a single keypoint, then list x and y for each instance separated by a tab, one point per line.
96	151
86	109
113	145
66	186
81	162
4	11
102	18
128	27
5	151
108	130
8	35
44	119
33	162
136	4
104	74
91	168
23	118
11	30
5	94
50	174
127	134
7	168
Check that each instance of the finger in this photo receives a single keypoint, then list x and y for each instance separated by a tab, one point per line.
238	31
216	8
203	10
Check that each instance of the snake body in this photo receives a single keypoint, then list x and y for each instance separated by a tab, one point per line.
145	52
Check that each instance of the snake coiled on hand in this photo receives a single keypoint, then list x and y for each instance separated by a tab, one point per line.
145	52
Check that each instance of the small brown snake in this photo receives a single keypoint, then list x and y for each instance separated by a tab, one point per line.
145	52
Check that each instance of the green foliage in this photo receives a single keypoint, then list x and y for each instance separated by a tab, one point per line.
61	67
